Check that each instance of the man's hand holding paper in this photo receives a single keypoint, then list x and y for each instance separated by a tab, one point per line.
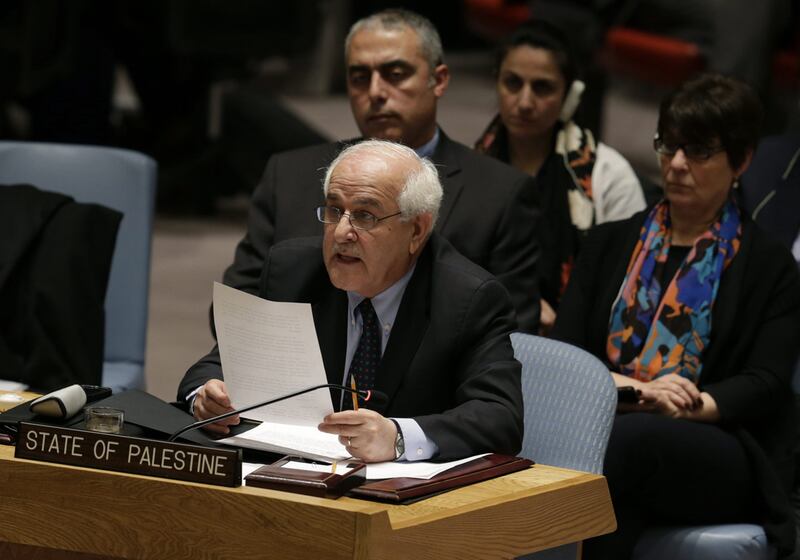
365	434
212	400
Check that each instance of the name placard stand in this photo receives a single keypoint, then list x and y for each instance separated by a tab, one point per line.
296	474
179	461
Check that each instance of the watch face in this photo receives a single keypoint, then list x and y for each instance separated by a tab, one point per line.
399	445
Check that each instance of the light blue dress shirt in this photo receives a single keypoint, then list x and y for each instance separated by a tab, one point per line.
427	149
386	304
418	446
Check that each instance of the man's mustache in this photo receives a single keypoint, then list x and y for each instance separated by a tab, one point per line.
346	250
383	114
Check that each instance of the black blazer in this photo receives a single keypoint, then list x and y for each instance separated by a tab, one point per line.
488	214
448	364
771	185
55	257
754	343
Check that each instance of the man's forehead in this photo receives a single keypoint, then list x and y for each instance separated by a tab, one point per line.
366	176
379	46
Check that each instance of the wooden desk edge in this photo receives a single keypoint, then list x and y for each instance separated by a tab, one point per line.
380	528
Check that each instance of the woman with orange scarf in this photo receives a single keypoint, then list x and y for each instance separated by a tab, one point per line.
694	306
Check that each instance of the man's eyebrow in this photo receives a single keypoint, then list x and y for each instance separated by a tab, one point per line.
357	201
382	66
367	201
397	62
358	68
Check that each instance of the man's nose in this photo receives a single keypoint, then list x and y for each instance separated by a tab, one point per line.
344	230
377	87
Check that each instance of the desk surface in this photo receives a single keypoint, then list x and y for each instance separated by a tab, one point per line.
8	404
129	516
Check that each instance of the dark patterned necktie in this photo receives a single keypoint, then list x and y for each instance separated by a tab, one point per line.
368	353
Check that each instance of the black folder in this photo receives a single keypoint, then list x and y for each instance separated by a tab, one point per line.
408	490
145	416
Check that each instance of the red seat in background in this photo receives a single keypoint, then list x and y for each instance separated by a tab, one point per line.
644	56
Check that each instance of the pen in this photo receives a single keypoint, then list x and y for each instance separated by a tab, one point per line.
354	395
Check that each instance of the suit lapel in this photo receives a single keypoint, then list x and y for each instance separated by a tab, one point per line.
410	326
724	310
330	321
446	160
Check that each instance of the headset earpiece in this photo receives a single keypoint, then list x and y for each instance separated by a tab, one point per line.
571	100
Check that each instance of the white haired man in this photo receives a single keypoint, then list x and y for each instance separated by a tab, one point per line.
438	325
395	77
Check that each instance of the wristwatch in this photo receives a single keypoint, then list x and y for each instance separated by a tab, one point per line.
399	442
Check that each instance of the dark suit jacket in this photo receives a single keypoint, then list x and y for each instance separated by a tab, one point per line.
55	257
448	363
487	213
754	343
771	185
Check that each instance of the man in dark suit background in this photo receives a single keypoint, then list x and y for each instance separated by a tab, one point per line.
395	77
438	324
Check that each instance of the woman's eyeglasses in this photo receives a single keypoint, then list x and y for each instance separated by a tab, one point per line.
693	152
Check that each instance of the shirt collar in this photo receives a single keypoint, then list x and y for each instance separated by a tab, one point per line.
427	149
385	303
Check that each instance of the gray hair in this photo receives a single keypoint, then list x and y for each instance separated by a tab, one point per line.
429	41
422	191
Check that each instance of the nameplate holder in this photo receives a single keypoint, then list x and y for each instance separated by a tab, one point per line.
303	476
82	448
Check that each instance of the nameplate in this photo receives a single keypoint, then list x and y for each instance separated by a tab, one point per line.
179	461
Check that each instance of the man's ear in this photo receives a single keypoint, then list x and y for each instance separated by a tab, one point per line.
422	225
441	78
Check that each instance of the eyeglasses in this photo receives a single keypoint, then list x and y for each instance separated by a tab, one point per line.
360	219
693	152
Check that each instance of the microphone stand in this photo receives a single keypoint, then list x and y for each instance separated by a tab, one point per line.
364	394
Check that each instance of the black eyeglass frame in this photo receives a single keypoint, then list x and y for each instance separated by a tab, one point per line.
373	220
693	152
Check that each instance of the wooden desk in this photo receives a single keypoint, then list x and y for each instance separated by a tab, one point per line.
105	514
6	405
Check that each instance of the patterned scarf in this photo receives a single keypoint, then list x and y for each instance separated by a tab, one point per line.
577	148
650	336
571	199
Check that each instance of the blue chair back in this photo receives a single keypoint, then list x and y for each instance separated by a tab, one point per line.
735	541
570	401
125	181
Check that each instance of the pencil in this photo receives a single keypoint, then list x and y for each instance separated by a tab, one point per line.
354	394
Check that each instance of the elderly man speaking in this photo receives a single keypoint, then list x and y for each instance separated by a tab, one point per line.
397	306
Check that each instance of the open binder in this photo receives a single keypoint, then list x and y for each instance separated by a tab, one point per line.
401	490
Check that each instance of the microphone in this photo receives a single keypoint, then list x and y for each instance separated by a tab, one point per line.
64	403
367	395
67	402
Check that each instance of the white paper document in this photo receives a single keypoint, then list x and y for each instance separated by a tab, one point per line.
6	385
313	467
378	471
416	469
269	349
247	468
291	439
